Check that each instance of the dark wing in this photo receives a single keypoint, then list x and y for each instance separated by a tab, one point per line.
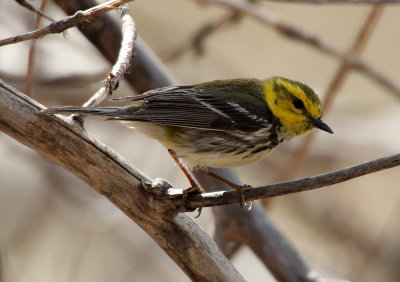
205	106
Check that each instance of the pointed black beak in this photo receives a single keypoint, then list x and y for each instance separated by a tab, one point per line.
317	122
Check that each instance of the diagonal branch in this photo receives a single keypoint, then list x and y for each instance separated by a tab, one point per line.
68	22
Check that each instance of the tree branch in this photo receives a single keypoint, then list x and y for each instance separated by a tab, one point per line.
68	22
300	185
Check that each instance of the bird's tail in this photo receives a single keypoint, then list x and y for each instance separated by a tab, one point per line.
112	112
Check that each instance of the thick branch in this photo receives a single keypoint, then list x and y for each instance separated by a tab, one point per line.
66	144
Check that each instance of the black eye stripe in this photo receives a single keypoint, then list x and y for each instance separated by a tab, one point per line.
298	104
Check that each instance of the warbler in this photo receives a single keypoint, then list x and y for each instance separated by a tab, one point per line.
221	123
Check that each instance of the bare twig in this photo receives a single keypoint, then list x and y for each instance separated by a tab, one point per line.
123	62
334	86
33	9
279	189
68	22
292	31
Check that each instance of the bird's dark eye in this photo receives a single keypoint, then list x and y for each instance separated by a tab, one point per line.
298	104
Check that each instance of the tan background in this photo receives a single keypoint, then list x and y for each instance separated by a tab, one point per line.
55	228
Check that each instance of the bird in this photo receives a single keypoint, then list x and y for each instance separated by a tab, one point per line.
220	123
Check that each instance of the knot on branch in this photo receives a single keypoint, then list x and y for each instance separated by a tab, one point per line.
164	198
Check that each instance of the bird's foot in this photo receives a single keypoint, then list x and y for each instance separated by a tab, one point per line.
240	189
192	190
195	189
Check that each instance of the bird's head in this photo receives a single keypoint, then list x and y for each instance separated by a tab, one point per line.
295	104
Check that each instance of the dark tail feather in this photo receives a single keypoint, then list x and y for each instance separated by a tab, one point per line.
116	112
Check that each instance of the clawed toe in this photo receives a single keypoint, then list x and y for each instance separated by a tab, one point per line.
195	190
240	189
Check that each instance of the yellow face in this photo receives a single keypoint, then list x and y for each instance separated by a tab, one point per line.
295	104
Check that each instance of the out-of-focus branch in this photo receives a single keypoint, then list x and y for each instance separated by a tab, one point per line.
253	228
196	41
294	32
62	141
333	88
61	25
123	62
30	73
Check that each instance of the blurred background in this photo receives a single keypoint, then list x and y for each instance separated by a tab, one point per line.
53	227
